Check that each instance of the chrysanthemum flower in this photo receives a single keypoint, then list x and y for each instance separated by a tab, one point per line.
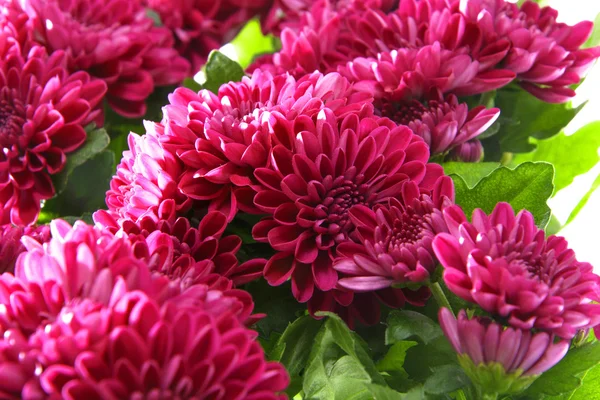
192	255
145	184
43	110
505	264
200	26
393	245
135	346
11	246
114	40
527	40
500	360
223	138
312	183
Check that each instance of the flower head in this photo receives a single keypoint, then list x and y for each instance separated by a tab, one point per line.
500	360
221	139
137	346
43	110
505	264
114	40
11	246
393	245
314	180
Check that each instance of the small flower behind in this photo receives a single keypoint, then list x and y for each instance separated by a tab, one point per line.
500	360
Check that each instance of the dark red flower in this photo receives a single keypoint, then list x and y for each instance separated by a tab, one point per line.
312	183
114	40
223	138
43	110
393	241
506	265
11	246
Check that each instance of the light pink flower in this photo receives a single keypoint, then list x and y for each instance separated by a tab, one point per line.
393	242
44	110
486	342
114	40
505	264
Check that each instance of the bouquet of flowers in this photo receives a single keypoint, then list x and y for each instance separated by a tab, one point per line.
354	206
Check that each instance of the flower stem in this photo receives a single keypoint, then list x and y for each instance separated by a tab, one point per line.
440	297
460	395
490	396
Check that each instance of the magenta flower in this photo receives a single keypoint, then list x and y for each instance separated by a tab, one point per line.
145	184
44	110
223	138
191	255
113	40
505	264
312	183
11	246
405	74
486	348
393	245
200	26
136	346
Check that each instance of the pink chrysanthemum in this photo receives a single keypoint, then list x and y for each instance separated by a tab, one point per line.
200	26
445	125
11	246
505	264
135	346
504	360
43	110
393	241
145	184
223	138
192	255
114	40
527	40
311	184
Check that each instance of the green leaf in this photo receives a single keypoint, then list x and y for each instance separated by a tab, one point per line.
383	392
526	187
594	39
394	359
191	84
525	116
251	42
571	155
221	69
84	193
590	388
471	173
422	359
95	142
293	347
339	365
406	324
565	376
584	200
446	379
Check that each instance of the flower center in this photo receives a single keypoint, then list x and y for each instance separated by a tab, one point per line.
403	112
11	123
409	229
337	202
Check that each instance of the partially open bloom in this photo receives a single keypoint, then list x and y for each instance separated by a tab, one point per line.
505	264
11	246
135	346
312	183
43	110
500	360
393	245
200	26
145	184
223	138
113	40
